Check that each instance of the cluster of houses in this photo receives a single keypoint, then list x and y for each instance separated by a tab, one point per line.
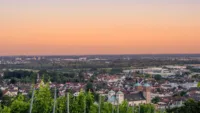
135	90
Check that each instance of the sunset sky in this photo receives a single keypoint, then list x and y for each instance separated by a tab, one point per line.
76	27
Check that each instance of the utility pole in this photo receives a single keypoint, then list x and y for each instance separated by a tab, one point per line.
67	102
100	103
112	108
118	106
32	98
139	108
85	105
54	106
127	108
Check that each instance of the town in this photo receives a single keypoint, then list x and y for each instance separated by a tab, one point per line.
166	82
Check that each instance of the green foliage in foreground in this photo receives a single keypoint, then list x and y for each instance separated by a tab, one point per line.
190	106
84	103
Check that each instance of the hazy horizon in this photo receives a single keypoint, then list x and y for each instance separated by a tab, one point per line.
91	27
168	54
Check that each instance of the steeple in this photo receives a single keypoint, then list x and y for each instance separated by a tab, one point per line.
147	92
138	87
120	97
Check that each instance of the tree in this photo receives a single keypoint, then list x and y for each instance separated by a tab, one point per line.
89	87
73	104
19	105
6	100
147	108
116	70
104	71
147	76
81	100
198	85
89	102
13	81
155	100
104	105
190	106
5	109
81	76
93	69
106	108
93	108
61	104
123	108
158	90
183	93
43	100
1	93
157	77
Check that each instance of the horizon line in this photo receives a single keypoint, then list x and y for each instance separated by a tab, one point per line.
102	54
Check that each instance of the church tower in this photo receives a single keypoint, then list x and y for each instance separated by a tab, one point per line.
111	94
147	92
138	87
120	97
111	97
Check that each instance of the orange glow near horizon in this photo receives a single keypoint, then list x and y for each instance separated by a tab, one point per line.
95	30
